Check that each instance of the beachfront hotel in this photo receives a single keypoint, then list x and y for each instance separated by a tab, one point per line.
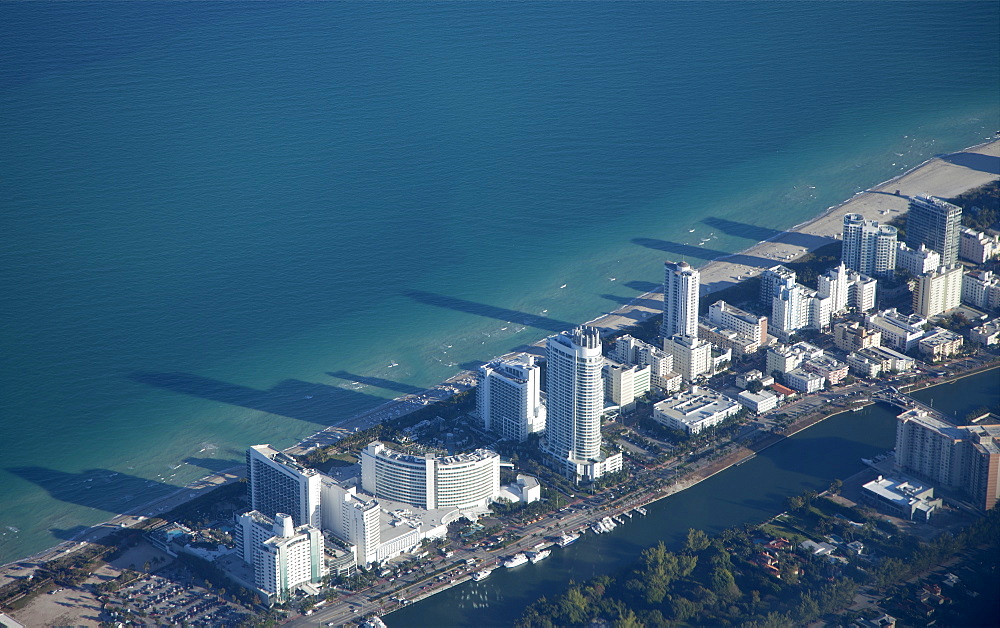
575	405
509	397
283	556
680	300
936	224
277	483
464	481
868	248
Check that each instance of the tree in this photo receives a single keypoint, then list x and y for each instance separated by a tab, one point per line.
696	541
755	386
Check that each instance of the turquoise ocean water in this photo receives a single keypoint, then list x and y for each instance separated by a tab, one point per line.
217	217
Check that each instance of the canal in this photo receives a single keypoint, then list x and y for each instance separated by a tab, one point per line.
749	493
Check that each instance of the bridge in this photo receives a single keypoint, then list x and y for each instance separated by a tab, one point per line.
906	402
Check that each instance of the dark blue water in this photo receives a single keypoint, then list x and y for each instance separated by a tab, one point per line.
749	493
219	216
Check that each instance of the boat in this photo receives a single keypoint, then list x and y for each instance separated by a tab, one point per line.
568	539
482	575
540	555
608	524
516	560
641	510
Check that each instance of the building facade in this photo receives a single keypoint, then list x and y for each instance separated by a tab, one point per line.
978	247
680	300
899	331
917	261
576	403
936	224
695	410
966	458
509	397
692	356
938	291
981	289
868	248
277	483
854	337
463	481
283	556
727	316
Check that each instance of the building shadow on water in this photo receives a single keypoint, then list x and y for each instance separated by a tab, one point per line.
306	401
102	489
214	465
644	286
813	456
755	232
378	382
975	161
683	252
489	311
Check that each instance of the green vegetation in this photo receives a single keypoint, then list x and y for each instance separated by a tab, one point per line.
734	580
981	206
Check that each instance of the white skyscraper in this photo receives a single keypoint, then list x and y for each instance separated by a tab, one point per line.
508	397
680	300
869	248
575	403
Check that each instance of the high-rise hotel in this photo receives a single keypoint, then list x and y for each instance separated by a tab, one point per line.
576	403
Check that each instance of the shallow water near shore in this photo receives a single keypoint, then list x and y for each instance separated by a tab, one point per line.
229	227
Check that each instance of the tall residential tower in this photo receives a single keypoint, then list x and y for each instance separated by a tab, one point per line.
680	300
936	224
575	404
869	248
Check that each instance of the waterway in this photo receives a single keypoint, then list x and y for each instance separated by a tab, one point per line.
750	493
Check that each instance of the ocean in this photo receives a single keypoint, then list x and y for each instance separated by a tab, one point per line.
234	223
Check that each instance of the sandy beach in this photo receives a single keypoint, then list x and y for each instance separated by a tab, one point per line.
944	176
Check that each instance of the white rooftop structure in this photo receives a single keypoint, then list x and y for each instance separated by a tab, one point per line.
695	410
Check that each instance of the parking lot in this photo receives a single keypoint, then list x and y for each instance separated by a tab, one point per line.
172	598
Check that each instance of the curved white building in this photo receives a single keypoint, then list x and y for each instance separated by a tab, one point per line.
468	480
869	248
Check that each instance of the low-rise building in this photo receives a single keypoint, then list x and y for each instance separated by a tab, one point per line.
831	370
804	381
854	337
722	314
981	289
986	334
743	379
917	261
902	497
624	384
739	344
940	343
783	358
692	356
634	352
758	403
864	365
695	410
899	331
978	247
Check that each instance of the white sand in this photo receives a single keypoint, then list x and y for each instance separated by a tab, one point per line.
947	176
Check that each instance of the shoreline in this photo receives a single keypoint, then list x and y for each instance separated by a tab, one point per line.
872	203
